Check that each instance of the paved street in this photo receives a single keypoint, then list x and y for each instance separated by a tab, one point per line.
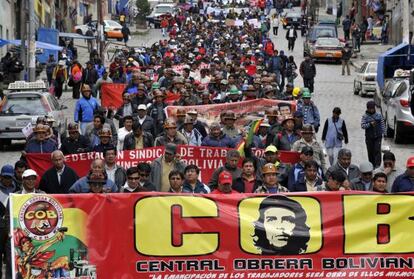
331	89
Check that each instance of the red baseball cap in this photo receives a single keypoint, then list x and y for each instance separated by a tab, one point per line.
225	178
410	162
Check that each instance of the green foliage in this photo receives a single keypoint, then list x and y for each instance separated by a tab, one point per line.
144	8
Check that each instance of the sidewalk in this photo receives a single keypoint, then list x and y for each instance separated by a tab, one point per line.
369	52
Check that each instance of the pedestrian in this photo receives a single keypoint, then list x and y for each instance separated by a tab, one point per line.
291	36
309	110
85	108
76	79
60	177
270	181
50	67
291	68
364	181
346	25
125	33
176	179
59	76
379	183
334	134
345	166
384	31
162	166
275	65
356	36
405	182
133	185
276	23
307	70
389	168
346	56
90	77
373	124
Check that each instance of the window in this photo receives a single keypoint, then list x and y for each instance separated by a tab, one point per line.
400	90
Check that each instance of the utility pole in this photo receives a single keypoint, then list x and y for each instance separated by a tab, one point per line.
101	32
359	12
32	42
23	34
405	9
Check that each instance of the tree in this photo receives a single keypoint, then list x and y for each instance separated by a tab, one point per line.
144	10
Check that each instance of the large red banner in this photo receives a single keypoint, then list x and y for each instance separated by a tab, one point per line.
112	95
206	158
306	235
246	111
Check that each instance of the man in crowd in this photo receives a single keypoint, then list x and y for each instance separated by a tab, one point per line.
191	183
270	183
225	182
176	179
248	181
344	165
389	168
75	142
132	184
115	172
85	108
307	70
138	139
162	166
232	161
308	139
29	183
364	182
60	177
405	182
82	184
374	126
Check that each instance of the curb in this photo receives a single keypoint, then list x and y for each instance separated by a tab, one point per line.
141	31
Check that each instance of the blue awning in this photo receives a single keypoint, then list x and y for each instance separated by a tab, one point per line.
40	45
75	36
399	57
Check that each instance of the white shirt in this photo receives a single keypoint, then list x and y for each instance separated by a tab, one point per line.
59	173
141	120
276	22
110	172
122	132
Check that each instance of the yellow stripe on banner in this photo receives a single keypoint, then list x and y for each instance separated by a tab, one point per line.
74	219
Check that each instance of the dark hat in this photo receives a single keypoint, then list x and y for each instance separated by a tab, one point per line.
370	104
306	149
171	148
7	170
96	177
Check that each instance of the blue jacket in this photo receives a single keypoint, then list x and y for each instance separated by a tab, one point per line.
221	141
200	188
47	146
402	183
275	64
82	186
85	108
373	131
311	115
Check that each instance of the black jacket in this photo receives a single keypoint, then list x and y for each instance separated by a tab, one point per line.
89	76
50	183
70	146
119	115
238	184
129	141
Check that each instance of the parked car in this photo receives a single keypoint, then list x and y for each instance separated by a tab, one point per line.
318	31
21	107
112	29
397	107
160	10
327	49
291	18
366	78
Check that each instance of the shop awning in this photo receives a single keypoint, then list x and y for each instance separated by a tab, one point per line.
399	57
40	45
